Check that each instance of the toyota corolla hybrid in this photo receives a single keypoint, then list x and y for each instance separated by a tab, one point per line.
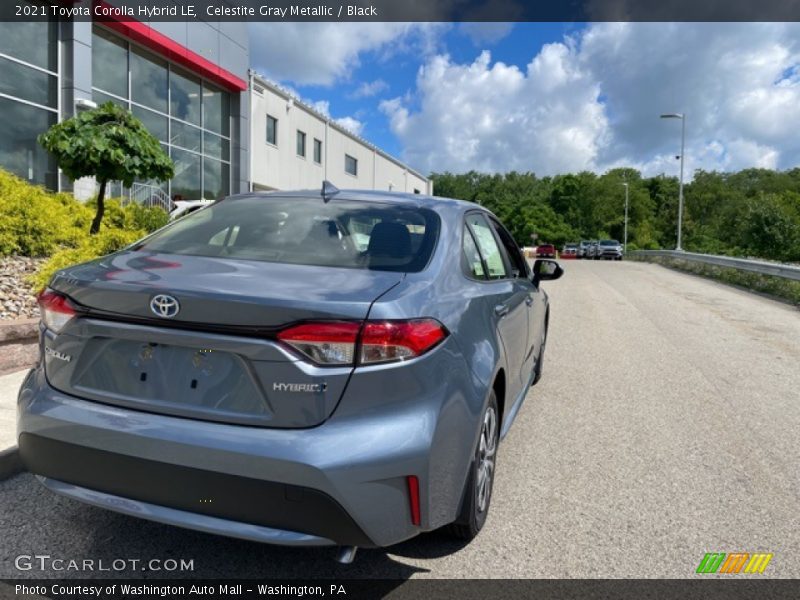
293	368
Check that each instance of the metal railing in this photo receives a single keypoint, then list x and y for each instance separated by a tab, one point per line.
743	264
149	195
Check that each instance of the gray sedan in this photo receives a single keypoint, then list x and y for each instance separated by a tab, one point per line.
303	368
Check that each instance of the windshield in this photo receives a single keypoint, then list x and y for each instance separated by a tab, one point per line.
305	231
609	243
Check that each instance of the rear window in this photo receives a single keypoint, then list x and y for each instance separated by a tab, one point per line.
305	231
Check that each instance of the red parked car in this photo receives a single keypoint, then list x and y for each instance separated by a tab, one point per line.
546	251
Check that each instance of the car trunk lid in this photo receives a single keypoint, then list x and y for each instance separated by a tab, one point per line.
217	358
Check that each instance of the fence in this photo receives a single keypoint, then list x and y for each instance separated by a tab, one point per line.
743	264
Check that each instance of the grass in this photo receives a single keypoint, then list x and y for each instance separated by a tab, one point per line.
781	288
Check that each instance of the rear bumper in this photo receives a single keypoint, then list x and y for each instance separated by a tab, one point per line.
181	518
342	482
292	508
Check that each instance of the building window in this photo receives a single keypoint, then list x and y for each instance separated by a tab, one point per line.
350	165
301	143
272	130
189	116
317	151
28	98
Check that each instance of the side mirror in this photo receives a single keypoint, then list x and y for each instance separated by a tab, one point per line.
544	270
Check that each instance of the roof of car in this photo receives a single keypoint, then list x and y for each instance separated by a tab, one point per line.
417	200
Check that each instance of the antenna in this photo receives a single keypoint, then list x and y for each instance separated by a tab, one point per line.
328	190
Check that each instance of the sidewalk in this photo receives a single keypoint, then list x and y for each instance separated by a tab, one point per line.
9	386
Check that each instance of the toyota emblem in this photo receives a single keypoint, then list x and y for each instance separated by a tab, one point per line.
164	306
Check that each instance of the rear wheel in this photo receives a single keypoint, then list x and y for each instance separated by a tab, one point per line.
477	494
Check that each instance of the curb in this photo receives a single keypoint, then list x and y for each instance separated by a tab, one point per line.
10	463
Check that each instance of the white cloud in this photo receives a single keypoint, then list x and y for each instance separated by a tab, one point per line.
486	32
726	78
370	88
496	117
351	124
592	102
324	53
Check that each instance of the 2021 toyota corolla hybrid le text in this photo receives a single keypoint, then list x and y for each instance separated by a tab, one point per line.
292	368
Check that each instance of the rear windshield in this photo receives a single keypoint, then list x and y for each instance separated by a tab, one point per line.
305	231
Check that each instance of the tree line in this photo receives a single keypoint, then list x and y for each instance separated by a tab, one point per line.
753	212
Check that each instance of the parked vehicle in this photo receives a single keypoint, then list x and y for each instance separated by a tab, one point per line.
546	251
591	250
582	248
609	249
185	207
249	371
569	251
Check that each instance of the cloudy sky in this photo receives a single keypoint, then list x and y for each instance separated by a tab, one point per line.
550	98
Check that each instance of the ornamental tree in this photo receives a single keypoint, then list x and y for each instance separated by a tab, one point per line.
109	144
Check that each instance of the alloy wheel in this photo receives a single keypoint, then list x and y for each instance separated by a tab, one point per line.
487	450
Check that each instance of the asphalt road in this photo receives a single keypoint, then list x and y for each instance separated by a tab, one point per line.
666	426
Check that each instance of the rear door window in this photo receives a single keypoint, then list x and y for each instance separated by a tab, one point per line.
471	258
307	231
519	265
487	244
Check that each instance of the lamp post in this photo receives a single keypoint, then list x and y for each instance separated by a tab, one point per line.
682	117
625	239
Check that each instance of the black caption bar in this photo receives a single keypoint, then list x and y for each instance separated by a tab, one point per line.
403	10
431	589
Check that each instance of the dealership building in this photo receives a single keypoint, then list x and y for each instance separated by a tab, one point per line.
295	147
226	129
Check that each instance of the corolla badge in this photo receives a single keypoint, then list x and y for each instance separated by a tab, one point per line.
164	306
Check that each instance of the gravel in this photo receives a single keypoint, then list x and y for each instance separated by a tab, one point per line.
17	299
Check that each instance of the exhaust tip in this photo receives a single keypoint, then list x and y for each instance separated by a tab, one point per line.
346	555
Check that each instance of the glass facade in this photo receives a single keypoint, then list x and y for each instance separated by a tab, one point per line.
188	115
28	98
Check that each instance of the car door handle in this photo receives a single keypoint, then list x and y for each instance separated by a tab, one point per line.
528	300
501	310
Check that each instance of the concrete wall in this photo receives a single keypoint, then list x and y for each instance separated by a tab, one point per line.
279	167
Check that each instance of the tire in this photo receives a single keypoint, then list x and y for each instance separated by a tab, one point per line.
477	496
537	369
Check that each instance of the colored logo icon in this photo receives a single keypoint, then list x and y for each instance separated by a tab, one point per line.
735	562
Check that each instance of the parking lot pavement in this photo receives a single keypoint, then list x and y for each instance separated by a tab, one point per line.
665	427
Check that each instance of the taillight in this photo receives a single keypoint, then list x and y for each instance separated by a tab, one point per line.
386	341
56	310
336	342
326	343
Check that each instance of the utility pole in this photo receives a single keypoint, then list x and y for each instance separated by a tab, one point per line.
682	117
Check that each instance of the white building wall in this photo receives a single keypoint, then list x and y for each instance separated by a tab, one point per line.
279	167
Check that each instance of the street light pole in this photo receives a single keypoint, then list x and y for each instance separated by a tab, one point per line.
682	117
625	240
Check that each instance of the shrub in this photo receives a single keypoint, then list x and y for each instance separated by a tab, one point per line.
105	242
34	222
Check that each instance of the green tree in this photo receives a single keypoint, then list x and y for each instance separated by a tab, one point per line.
110	144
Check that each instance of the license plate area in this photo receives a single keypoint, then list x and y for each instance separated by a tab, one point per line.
165	376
